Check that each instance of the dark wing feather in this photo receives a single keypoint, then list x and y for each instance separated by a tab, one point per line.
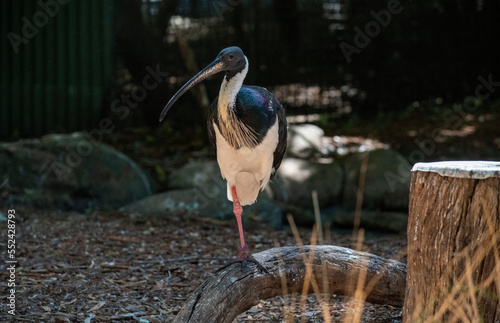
210	123
282	136
262	109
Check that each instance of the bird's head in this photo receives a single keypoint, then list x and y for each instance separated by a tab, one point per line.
230	60
233	60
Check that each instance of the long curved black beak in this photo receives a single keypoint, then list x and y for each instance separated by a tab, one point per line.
213	68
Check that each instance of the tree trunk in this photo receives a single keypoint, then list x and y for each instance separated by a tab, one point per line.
233	290
453	243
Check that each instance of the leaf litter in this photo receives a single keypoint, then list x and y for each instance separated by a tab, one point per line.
131	267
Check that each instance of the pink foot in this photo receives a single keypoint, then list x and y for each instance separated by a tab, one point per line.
244	257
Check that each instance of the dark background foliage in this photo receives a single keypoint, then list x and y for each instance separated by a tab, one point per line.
422	52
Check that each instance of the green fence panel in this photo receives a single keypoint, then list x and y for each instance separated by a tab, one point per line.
56	65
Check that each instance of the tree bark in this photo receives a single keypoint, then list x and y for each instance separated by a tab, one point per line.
453	243
235	289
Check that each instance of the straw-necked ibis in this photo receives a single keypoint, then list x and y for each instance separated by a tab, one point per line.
248	130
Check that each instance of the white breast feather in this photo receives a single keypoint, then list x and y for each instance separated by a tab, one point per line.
258	161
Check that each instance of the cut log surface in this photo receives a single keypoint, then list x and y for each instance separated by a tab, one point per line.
461	169
235	289
453	243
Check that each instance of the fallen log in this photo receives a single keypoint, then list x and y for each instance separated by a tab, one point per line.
233	290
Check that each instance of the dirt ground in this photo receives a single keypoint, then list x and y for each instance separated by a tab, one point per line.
130	267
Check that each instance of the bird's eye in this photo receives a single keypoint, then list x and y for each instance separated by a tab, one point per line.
231	56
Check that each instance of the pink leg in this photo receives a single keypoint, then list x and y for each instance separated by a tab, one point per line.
243	252
238	210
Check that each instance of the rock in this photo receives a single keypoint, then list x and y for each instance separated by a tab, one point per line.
264	210
200	174
387	183
304	140
212	205
372	220
70	172
199	187
301	216
170	201
300	177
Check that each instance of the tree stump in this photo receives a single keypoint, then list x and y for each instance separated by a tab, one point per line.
453	243
232	291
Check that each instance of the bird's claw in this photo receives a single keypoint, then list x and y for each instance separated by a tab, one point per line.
244	257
